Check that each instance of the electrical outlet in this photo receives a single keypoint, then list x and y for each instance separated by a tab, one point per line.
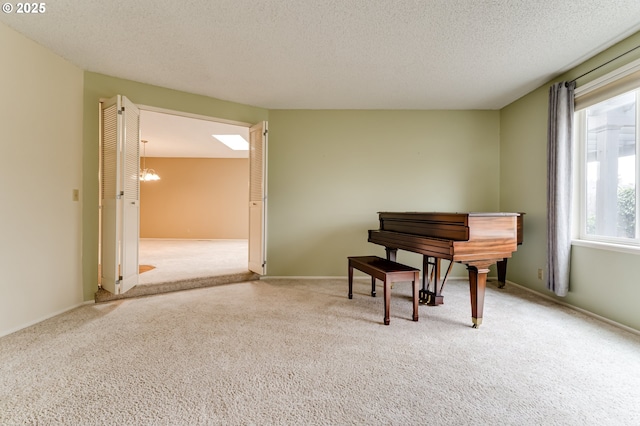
540	273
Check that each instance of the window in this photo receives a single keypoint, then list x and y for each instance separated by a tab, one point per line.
607	134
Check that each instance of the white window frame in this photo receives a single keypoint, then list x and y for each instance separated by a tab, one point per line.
581	238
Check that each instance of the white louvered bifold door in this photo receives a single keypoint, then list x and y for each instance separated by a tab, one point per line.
257	198
120	190
109	252
131	196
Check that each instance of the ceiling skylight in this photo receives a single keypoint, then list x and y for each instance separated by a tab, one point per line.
235	142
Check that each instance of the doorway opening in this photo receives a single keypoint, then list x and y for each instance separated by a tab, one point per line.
194	221
193	226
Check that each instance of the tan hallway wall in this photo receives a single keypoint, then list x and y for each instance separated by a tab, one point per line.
196	198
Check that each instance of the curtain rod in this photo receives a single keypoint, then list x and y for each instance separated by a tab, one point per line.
600	66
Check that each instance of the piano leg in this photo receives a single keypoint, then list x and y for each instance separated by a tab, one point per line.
387	301
391	253
502	272
477	286
350	281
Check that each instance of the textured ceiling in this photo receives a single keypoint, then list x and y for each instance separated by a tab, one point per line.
338	54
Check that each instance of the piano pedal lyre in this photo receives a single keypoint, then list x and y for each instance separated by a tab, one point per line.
428	297
431	275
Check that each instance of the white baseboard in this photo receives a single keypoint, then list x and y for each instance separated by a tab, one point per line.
360	277
575	308
34	322
344	277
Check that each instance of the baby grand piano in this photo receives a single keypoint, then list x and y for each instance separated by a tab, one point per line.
476	240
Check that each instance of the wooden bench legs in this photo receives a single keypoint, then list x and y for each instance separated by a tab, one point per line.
388	272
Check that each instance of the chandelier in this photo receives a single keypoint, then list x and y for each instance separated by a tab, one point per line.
146	174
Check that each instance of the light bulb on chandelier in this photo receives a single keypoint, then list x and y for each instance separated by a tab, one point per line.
147	175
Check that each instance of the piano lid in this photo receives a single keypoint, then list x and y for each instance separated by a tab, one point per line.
452	226
434	215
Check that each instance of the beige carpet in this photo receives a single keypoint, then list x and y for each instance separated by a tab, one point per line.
298	352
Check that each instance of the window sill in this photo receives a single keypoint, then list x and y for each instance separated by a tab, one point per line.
607	246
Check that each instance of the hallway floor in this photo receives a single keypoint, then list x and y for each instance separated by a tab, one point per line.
187	259
187	264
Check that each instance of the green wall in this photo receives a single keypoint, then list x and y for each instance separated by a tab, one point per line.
97	86
602	281
331	171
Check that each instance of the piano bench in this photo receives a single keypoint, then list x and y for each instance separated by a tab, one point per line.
388	272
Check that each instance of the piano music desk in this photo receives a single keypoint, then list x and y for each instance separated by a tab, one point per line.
388	272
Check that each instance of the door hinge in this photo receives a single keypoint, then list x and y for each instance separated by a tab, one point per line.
120	195
265	132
